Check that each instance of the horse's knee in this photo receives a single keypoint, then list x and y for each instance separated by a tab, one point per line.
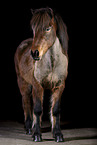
56	108
38	107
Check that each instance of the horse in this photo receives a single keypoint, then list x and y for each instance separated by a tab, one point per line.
41	63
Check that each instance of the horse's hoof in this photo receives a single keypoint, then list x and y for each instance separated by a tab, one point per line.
29	131
59	138
37	138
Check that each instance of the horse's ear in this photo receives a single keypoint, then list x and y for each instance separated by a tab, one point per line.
32	11
62	33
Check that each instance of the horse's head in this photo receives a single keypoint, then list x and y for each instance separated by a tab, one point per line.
44	32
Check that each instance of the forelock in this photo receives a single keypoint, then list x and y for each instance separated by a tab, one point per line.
41	19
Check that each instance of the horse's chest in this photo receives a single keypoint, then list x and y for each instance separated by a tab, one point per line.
51	69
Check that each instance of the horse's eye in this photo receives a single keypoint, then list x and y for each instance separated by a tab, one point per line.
48	29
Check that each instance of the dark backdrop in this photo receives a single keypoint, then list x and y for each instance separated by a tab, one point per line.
79	98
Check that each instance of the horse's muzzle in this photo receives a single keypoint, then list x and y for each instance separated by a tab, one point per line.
35	54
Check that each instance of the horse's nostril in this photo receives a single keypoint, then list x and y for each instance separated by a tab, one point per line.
36	53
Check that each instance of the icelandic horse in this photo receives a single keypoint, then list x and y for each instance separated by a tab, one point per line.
41	63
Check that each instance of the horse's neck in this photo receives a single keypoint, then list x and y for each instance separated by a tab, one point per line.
55	52
56	48
51	58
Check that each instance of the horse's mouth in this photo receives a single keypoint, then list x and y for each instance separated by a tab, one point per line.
36	58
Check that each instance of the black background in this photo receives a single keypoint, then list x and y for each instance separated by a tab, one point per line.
79	97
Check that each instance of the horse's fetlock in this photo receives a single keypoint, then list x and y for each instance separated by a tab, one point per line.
36	133
57	132
28	122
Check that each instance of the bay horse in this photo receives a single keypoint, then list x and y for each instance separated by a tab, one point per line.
41	62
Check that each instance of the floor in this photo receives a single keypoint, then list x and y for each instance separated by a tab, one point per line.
12	133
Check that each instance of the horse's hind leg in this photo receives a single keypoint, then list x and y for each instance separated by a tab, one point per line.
26	92
55	113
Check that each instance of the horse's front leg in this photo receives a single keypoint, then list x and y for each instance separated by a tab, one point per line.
55	113
37	112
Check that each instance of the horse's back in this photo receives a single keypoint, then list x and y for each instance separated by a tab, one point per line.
23	59
24	45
